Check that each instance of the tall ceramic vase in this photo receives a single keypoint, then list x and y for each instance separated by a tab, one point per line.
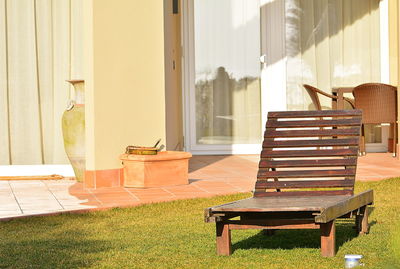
73	128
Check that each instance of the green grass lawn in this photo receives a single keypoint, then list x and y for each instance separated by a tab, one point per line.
174	235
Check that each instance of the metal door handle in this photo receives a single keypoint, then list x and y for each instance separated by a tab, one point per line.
263	59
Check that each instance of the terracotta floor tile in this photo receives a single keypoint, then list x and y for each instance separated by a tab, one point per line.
209	176
150	200
108	190
148	191
199	175
211	187
112	204
115	197
211	184
214	174
77	188
181	189
155	197
222	190
8	213
77	207
93	203
153	193
180	196
188	191
87	199
241	179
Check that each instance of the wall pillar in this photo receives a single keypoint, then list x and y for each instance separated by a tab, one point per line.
125	85
394	51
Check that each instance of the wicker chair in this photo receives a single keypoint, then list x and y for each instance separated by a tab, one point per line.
313	92
379	105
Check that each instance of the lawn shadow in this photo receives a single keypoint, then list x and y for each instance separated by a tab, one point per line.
290	239
371	209
66	249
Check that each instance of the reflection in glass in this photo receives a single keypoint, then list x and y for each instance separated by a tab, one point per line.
227	71
330	44
373	133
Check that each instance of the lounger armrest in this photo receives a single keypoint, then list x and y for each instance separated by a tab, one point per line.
352	203
214	213
209	217
212	217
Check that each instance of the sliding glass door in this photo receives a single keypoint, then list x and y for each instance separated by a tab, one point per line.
327	44
224	102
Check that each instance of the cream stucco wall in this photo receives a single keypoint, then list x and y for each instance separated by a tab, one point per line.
395	20
125	88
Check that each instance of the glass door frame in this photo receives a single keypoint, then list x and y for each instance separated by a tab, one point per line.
189	96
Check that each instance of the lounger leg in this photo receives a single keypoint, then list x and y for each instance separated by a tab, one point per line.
362	220
328	247
224	246
362	144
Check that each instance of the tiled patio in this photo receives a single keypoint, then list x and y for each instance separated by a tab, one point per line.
209	176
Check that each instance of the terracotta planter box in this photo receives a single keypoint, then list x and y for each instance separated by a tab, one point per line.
167	168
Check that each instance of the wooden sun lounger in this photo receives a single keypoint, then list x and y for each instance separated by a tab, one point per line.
305	179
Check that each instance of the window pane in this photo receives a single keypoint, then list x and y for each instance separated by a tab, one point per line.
227	71
330	43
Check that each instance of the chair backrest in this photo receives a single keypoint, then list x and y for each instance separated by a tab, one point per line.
313	93
309	153
378	102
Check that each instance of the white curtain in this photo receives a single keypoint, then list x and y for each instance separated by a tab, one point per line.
330	43
40	46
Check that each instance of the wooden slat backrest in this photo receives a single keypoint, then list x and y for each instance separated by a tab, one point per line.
309	153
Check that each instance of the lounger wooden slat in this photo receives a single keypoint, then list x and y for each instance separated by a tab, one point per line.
305	173
307	163
288	205
313	113
312	133
312	123
300	193
309	153
305	179
304	184
269	143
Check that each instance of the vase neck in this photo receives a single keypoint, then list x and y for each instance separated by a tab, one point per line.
79	87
